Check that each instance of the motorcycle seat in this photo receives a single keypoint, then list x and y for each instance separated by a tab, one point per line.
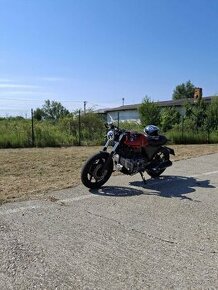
157	140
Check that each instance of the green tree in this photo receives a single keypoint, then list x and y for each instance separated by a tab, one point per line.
184	91
168	118
149	112
212	114
197	113
51	110
38	114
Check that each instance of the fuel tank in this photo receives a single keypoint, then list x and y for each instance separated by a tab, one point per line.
136	140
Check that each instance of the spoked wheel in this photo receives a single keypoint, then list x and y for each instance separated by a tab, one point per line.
158	158
93	175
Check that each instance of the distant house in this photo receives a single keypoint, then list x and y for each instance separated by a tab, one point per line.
131	113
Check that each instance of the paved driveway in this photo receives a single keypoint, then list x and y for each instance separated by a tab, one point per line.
126	235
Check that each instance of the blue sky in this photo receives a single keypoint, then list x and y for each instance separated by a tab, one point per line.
101	51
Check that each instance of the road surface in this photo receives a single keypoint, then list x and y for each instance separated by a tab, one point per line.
127	235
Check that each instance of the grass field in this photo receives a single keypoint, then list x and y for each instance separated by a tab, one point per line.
29	173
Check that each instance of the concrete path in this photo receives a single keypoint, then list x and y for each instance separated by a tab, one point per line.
127	235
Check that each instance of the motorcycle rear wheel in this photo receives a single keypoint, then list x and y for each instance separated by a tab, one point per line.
92	175
159	157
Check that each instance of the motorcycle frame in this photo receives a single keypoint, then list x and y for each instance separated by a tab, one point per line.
149	150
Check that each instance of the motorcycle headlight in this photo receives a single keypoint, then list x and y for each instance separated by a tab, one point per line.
110	135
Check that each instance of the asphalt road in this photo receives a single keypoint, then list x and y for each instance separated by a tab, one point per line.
162	235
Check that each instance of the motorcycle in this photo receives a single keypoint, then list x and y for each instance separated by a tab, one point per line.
131	153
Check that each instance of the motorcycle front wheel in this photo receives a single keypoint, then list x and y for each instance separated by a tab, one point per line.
93	175
158	158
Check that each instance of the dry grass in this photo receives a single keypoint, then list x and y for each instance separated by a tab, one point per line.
25	173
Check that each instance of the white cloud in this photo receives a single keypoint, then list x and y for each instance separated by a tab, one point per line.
20	94
17	86
7	93
5	80
52	79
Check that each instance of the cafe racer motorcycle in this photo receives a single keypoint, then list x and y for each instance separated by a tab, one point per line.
131	153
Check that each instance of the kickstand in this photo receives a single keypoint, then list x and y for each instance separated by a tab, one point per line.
143	178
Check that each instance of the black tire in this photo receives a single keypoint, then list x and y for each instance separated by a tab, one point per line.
92	175
160	156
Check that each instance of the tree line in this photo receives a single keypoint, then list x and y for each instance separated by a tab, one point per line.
196	115
54	125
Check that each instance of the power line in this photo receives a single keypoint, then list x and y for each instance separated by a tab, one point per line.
37	100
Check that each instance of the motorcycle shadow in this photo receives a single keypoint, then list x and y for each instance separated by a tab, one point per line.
173	186
118	191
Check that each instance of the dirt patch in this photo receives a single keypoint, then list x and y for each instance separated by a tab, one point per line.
26	173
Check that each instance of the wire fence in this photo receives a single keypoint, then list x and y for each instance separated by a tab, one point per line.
80	129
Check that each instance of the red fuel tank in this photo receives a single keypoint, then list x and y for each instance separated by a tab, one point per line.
136	140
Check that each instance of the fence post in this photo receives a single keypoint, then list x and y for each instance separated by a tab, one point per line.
182	128
208	135
79	128
33	134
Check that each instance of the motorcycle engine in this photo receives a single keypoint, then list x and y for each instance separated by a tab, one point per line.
130	159
131	166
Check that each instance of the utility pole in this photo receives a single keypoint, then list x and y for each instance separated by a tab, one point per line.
85	106
79	129
33	135
123	99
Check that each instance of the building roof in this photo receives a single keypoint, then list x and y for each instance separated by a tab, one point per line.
170	103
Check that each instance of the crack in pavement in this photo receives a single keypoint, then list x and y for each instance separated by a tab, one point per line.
152	236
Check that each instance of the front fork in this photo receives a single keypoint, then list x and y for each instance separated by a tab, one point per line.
114	149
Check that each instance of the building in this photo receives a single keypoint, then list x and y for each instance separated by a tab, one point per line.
131	113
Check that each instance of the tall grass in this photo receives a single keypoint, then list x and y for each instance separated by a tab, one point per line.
192	137
17	133
131	126
50	135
